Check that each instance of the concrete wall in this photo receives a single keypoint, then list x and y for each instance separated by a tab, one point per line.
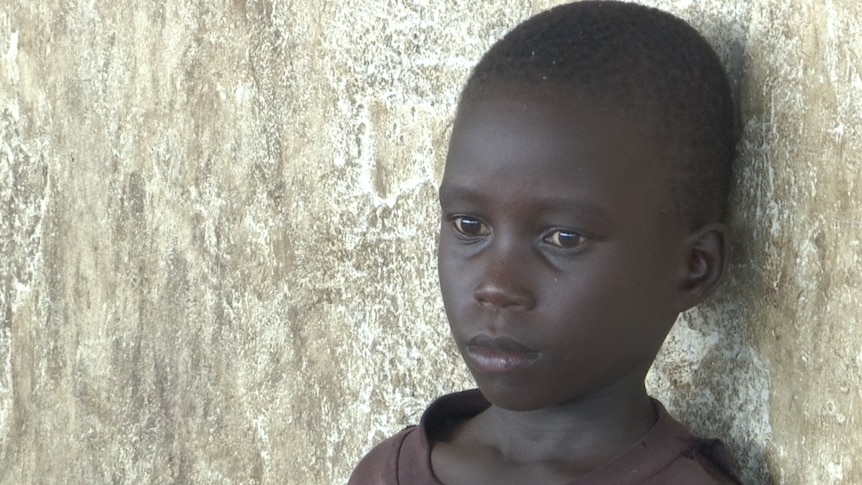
217	228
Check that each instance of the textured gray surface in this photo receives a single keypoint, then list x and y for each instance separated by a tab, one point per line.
217	226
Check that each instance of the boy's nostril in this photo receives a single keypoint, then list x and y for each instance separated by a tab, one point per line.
500	297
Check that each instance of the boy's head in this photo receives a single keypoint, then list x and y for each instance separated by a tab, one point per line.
643	63
586	177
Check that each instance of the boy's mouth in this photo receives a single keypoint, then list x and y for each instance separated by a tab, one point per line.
499	355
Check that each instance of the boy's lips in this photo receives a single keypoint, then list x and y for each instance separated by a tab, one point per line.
499	355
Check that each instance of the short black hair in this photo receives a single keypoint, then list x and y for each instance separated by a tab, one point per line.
645	62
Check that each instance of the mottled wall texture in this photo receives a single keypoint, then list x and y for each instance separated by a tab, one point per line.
217	228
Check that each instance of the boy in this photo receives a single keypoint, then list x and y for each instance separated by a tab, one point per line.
585	182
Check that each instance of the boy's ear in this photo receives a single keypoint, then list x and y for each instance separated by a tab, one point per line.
706	258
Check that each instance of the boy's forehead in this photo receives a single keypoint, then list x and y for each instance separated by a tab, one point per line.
546	141
545	122
555	108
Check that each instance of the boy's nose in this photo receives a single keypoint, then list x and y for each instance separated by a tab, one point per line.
503	288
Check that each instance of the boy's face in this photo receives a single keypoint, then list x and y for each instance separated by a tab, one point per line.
558	269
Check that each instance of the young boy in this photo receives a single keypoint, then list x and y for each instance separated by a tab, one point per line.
585	182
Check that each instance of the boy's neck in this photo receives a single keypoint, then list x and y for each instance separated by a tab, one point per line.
590	430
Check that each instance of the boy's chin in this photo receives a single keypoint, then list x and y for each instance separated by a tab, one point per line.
512	397
530	393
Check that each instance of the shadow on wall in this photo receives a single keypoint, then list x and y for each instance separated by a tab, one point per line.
738	306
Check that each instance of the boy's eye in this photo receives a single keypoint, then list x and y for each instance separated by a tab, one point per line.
564	239
470	226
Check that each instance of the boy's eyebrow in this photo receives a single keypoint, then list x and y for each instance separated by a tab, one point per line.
573	205
453	192
458	192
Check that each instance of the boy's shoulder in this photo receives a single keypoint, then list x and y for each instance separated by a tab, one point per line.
380	465
668	454
405	458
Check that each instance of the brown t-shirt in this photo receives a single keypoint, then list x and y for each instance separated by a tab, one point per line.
666	455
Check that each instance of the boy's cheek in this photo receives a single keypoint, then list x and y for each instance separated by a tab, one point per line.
450	279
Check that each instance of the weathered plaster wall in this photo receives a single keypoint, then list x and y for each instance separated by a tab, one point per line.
217	229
